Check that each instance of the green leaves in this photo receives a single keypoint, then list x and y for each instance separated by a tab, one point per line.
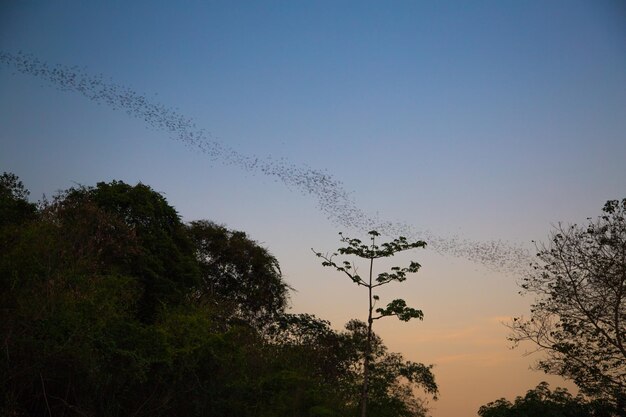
373	251
541	401
420	374
238	271
112	306
399	309
397	274
14	205
355	247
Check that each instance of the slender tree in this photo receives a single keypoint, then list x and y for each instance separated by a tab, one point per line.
397	307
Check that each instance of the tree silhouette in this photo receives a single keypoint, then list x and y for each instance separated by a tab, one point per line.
110	306
541	401
396	307
579	315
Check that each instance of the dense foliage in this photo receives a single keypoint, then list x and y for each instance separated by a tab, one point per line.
543	402
579	315
111	306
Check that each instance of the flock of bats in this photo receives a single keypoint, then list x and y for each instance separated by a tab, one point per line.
332	198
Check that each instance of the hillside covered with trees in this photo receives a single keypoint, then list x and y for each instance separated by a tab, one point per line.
112	306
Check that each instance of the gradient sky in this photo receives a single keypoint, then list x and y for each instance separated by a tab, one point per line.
476	121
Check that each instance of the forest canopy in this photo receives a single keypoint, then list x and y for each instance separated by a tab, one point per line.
112	306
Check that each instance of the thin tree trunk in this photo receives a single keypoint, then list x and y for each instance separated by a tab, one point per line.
368	347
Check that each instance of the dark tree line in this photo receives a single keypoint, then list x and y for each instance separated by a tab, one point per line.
110	305
544	402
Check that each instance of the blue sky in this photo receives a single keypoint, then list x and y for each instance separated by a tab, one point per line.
486	120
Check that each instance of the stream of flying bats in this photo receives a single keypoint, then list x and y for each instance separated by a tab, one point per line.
332	198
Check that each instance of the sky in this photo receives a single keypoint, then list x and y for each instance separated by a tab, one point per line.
475	126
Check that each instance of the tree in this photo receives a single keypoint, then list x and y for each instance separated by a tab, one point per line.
541	401
111	306
165	265
14	205
238	271
66	312
105	311
578	318
397	307
321	357
392	379
335	359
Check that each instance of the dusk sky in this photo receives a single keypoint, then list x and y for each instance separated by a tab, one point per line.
475	126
